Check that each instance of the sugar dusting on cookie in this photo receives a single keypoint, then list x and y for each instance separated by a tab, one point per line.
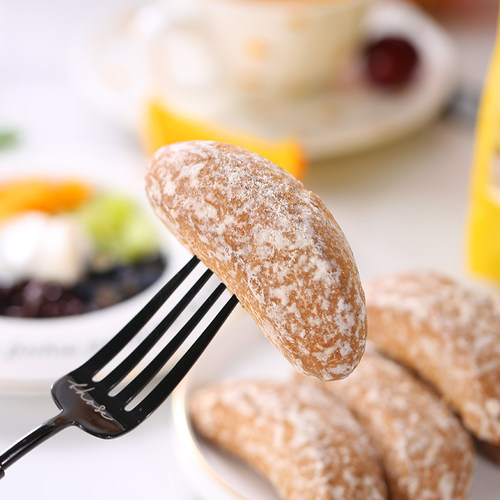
449	333
302	439
273	243
425	451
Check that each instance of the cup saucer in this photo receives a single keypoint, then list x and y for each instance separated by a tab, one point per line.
345	118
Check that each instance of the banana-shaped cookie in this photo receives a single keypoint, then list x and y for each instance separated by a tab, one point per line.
307	443
273	243
425	451
449	333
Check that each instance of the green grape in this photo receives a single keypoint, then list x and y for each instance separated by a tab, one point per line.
118	228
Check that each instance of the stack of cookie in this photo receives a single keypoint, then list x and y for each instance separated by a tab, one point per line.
398	428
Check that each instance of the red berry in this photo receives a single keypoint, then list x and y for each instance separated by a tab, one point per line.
390	61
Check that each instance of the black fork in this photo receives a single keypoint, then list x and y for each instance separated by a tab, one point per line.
89	403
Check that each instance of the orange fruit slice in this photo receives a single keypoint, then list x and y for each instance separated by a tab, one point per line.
164	126
21	195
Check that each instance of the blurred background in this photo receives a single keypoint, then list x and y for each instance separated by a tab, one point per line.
54	81
41	101
372	104
107	83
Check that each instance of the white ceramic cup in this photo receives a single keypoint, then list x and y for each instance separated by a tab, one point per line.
279	47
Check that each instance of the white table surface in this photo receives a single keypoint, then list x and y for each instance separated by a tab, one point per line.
401	206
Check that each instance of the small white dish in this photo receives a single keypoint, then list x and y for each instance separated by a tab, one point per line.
351	117
215	475
35	352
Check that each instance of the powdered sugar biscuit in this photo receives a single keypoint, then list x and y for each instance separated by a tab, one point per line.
306	443
449	333
273	243
425	451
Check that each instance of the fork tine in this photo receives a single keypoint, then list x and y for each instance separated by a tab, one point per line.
87	404
165	387
154	367
127	333
132	360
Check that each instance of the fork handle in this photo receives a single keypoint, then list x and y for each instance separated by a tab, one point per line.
33	439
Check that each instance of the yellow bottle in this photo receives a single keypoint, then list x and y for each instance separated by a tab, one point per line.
483	231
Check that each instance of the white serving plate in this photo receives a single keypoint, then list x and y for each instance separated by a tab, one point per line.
350	117
35	352
236	354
